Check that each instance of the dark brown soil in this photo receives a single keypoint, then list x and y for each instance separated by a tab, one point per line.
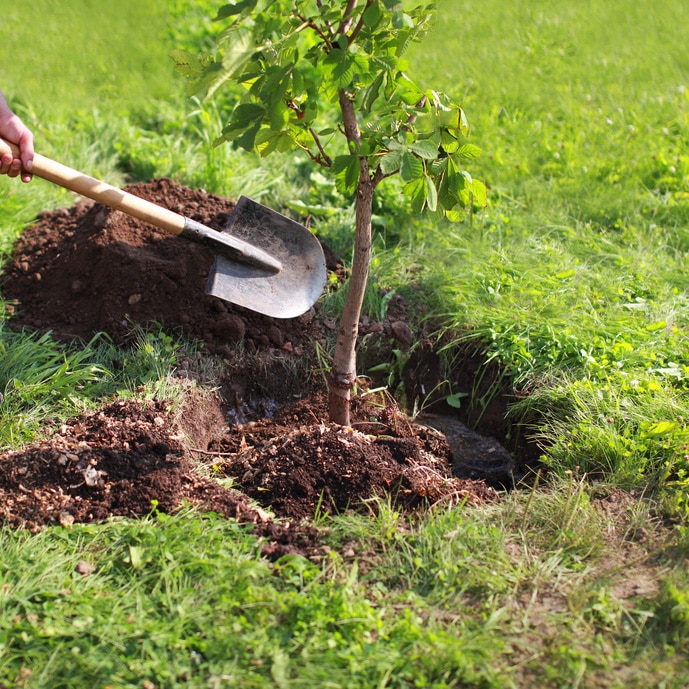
88	269
123	460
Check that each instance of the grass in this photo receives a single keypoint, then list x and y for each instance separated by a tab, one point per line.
576	272
574	279
465	597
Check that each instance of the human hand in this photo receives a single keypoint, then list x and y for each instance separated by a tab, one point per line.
16	132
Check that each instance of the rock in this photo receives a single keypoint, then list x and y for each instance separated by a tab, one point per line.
402	332
66	518
84	568
474	456
275	335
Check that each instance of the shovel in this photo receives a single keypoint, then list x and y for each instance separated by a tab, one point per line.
264	261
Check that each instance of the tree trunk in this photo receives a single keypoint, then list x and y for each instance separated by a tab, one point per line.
343	375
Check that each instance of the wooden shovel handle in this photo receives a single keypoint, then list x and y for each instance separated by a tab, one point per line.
92	188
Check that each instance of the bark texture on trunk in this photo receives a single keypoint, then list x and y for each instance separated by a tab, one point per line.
343	376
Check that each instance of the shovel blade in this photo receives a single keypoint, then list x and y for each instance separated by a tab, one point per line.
286	294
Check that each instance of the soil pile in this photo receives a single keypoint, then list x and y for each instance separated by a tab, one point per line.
120	461
131	457
298	464
88	269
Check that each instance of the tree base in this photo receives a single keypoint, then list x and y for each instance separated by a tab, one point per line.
339	405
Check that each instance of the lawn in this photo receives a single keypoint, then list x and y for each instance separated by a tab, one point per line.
572	281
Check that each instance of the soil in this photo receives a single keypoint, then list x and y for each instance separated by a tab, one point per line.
88	269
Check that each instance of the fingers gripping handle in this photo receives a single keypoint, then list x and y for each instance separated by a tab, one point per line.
94	189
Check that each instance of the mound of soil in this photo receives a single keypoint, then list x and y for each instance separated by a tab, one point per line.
297	466
89	269
131	457
120	461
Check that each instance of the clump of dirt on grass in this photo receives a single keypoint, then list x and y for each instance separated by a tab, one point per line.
131	457
298	464
123	460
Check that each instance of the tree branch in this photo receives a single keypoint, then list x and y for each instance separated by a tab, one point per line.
360	23
347	17
323	159
379	176
351	126
317	29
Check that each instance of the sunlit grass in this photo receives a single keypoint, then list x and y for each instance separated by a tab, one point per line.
574	279
72	56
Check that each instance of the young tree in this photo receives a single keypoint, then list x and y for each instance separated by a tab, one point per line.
314	71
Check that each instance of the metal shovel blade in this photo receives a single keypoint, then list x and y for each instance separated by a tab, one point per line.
291	291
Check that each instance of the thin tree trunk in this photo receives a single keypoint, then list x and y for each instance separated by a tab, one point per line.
343	376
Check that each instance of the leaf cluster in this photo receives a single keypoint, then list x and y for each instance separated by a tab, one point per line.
298	61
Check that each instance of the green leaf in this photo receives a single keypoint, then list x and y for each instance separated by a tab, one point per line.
247	140
279	115
310	208
658	325
479	193
425	149
412	168
343	73
455	399
660	428
431	194
391	161
234	8
401	20
456	214
187	64
207	77
372	15
347	169
285	142
352	173
416	192
469	151
297	83
266	141
565	274
246	113
455	184
372	92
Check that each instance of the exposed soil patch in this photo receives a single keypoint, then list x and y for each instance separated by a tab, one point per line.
131	457
120	461
297	464
89	269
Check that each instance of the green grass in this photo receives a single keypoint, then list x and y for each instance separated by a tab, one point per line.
575	276
489	597
70	57
574	279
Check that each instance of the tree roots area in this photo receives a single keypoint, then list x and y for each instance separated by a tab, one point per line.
259	448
